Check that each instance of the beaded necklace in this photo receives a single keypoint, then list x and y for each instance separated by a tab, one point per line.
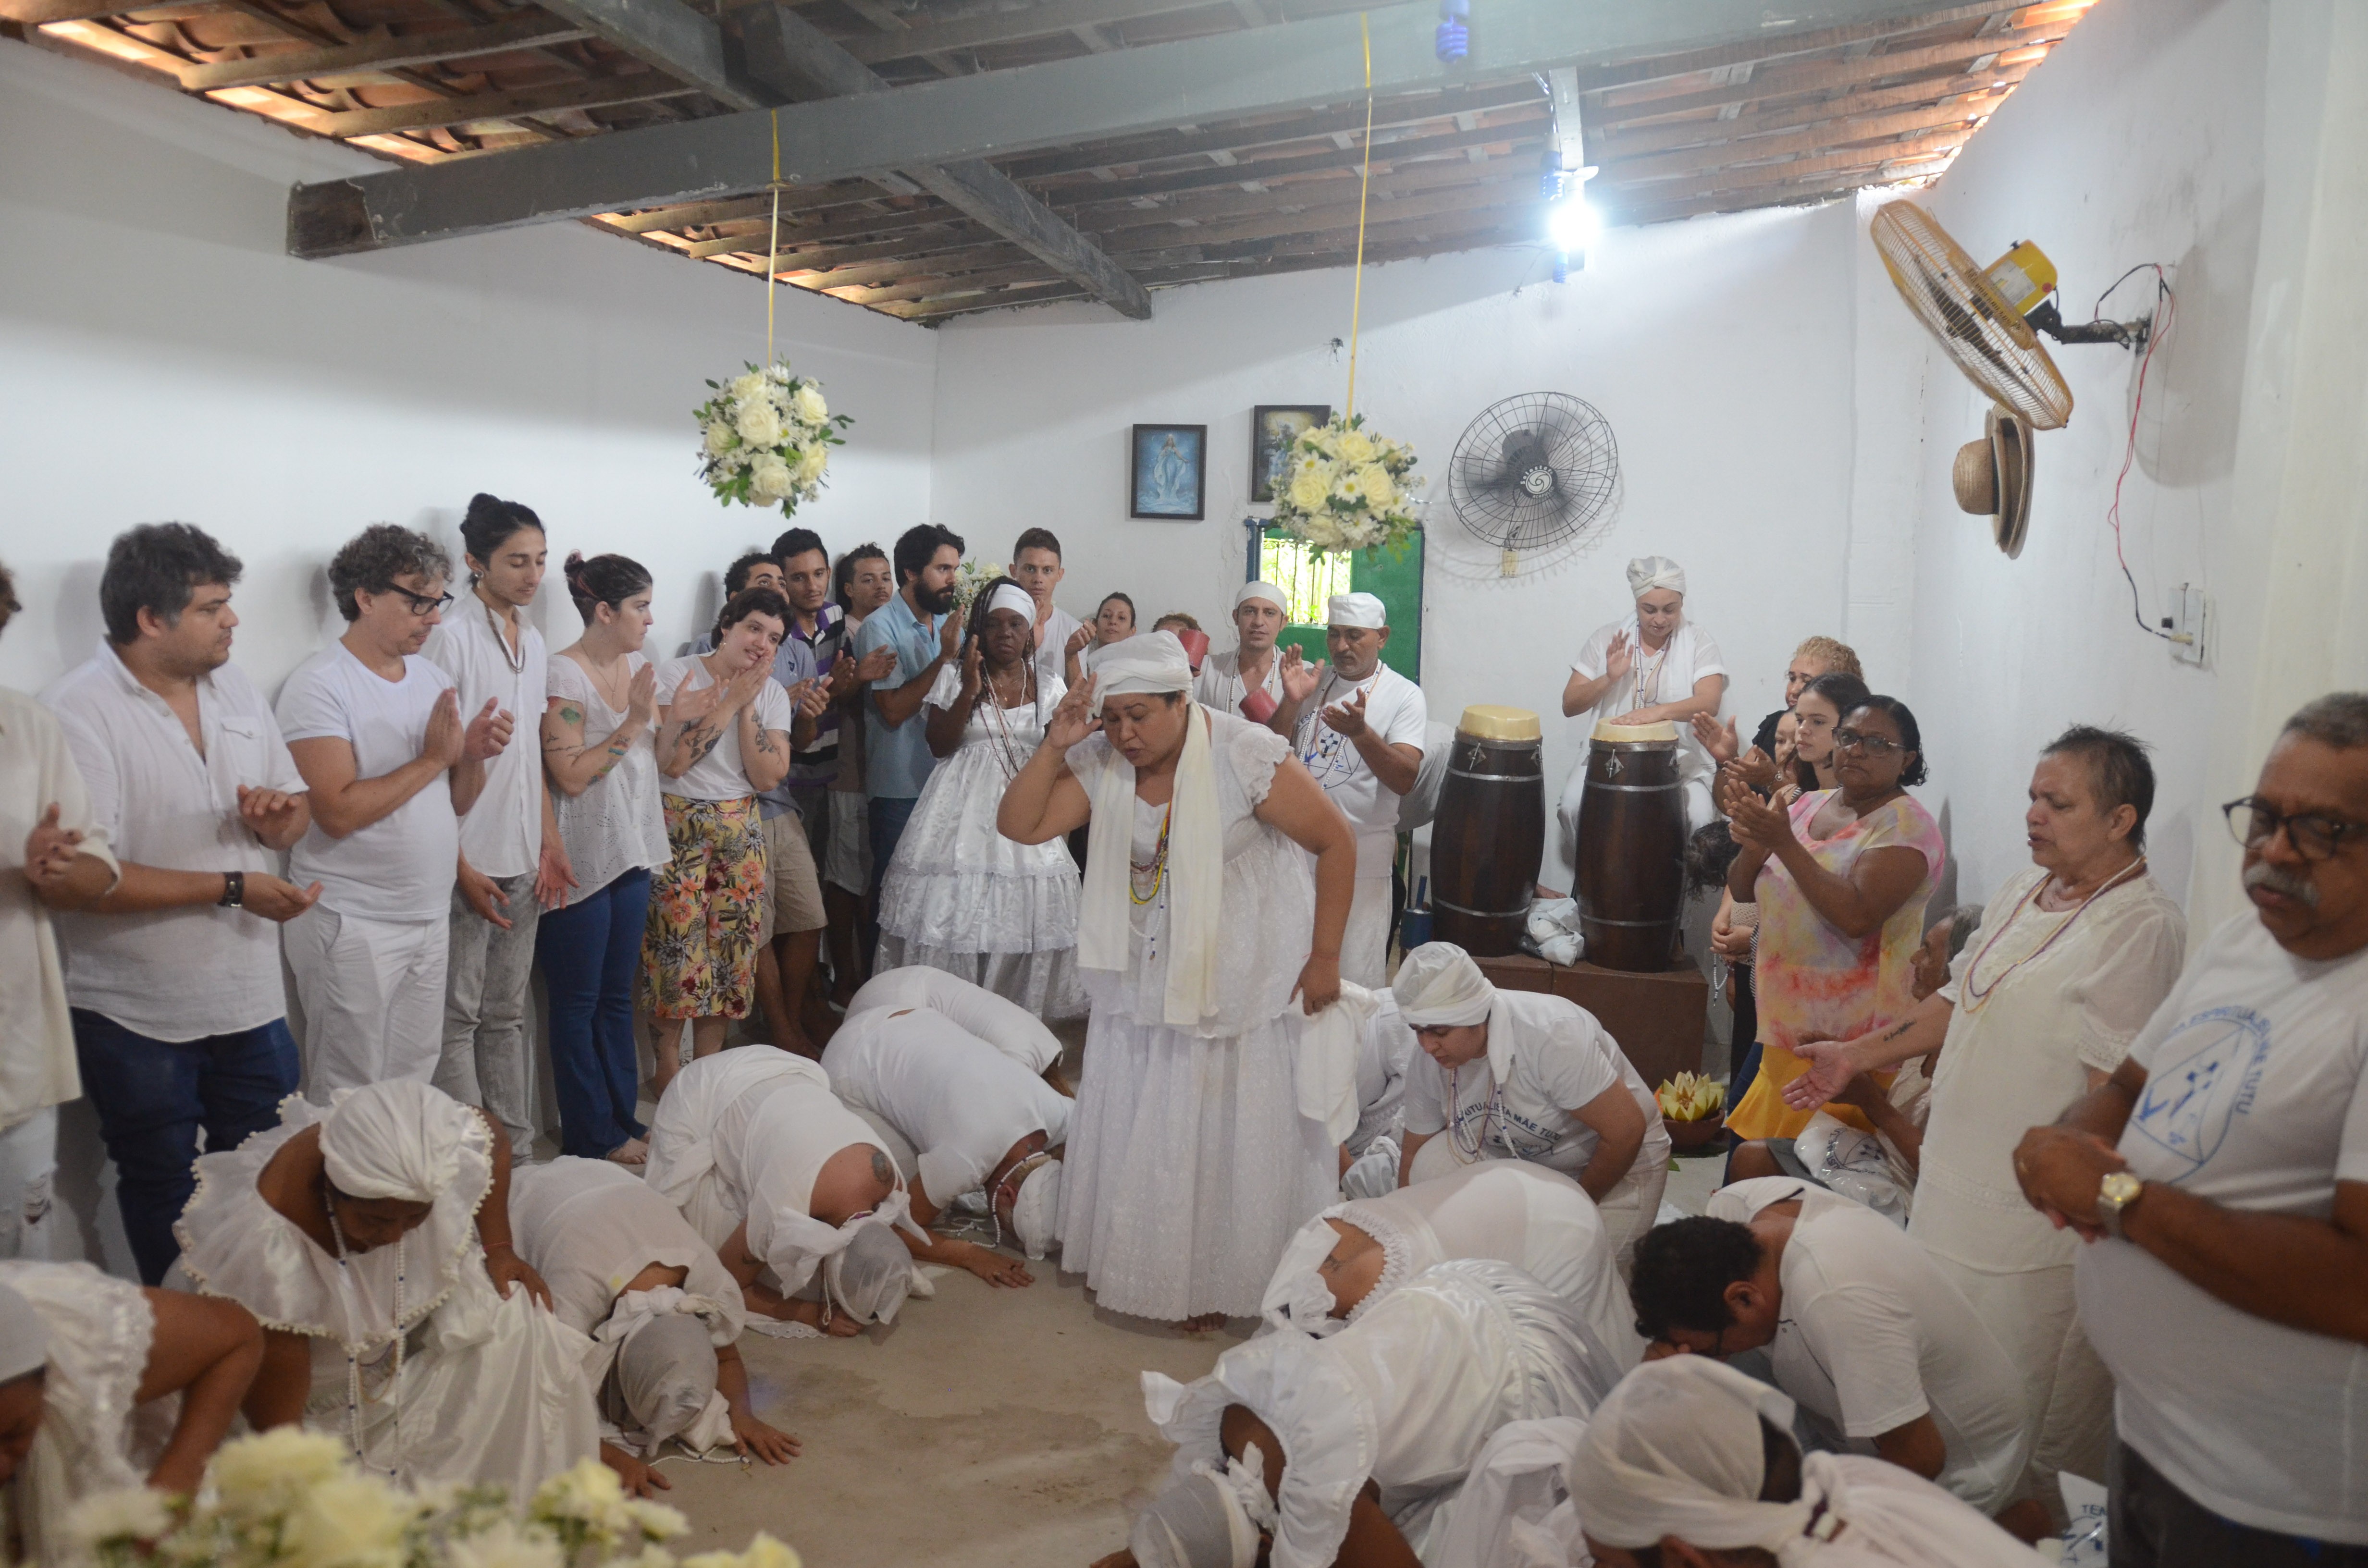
1001	725
1156	868
1493	1111
353	1361
1978	995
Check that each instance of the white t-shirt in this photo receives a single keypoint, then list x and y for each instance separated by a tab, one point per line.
1394	711
2256	1100
617	824
1873	1335
174	974
1546	1057
1219	684
961	1102
1653	678
501	834
402	866
1052	653
719	775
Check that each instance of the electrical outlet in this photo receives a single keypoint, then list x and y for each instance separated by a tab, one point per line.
2187	625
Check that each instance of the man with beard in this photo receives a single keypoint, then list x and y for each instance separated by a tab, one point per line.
2221	1174
917	624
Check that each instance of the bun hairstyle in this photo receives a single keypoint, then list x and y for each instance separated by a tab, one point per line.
489	522
748	602
604	580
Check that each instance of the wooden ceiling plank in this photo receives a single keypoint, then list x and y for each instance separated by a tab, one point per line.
526	31
1819	75
1660	67
599	92
1121	192
1857	160
1482	193
1663	137
1047	19
1813	140
702	214
1388	185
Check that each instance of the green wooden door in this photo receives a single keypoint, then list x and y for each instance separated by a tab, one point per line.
1309	580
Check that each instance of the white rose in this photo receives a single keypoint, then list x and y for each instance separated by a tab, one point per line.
128	1512
719	437
812	461
657	1521
747	388
809	404
1375	482
348	1522
271	1470
770	477
506	1545
759	422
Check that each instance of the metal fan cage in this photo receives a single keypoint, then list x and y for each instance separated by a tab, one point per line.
1990	341
1577	449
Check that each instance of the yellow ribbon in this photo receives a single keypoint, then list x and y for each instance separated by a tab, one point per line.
773	241
1364	183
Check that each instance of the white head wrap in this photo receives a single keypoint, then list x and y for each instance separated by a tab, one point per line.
1036	1208
870	1278
1647	573
1676	1451
1439	986
1012	597
1266	591
24	1336
1156	662
666	1375
399	1139
1355	610
1210	1518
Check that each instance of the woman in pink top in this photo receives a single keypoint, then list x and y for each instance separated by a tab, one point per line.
1842	880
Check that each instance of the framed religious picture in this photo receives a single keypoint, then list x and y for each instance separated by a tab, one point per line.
1273	427
1168	473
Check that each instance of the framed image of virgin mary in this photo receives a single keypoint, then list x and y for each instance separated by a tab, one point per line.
1168	473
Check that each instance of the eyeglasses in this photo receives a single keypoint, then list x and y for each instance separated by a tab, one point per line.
1873	745
2254	821
421	605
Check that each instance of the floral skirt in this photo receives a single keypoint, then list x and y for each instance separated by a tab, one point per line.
698	954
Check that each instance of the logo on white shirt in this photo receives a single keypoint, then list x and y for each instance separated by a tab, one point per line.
2205	1076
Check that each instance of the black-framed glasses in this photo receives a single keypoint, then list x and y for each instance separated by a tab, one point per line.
1873	745
2253	822
421	605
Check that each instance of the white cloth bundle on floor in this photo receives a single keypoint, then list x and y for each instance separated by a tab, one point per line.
94	1333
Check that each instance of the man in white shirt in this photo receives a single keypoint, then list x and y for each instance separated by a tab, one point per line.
53	855
1523	1075
1358	727
1061	638
1247	680
1864	1328
512	862
377	733
179	1014
2222	1175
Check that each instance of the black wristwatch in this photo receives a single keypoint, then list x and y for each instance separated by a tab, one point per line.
234	890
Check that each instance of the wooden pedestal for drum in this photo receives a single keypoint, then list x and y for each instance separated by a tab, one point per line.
1490	834
1659	1021
1631	848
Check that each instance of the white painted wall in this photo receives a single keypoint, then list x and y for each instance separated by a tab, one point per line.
1721	351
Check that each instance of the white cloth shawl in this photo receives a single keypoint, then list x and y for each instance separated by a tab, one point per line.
1324	1077
1196	845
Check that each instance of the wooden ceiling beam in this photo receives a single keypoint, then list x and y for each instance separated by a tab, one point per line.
699	214
1093	198
526	31
928	312
1668	137
601	93
1845	166
904	265
1457	199
1788	46
860	228
937	287
668	36
1048	18
1823	75
1388	185
1814	140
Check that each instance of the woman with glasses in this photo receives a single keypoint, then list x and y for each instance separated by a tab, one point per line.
2073	956
1840	877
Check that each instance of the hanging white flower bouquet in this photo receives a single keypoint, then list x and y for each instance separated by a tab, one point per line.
971	579
1348	489
764	439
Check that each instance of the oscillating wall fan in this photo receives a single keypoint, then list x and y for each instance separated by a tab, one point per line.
1532	471
1990	318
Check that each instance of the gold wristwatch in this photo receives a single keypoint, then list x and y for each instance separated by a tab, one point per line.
2117	1192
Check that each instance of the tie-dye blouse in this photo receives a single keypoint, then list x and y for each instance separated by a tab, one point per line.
1814	980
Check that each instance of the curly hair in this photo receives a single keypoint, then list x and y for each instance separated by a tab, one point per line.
1840	658
1910	738
370	561
1682	1271
156	567
919	545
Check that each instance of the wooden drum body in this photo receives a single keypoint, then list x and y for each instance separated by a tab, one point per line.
1632	847
1490	833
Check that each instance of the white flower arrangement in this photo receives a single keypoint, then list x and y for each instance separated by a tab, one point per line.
764	439
288	1498
971	579
1348	489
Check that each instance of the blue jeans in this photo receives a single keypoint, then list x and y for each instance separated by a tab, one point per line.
152	1095
889	814
591	952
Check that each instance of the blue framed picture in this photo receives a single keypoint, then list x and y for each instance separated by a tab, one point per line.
1168	473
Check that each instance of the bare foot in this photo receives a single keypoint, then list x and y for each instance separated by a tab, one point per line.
1204	1323
632	1151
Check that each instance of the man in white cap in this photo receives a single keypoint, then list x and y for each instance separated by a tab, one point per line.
979	1117
1690	1462
1653	667
1358	727
1249	680
1523	1075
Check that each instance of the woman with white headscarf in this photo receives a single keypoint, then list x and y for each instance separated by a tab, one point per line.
1188	1165
1691	1458
1654	666
373	1241
959	895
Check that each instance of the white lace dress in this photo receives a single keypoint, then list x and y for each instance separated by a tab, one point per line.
433	1377
963	898
1189	1166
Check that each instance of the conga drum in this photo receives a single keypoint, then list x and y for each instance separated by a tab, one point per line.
1632	847
1490	833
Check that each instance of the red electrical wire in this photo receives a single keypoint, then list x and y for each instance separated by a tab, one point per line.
2166	310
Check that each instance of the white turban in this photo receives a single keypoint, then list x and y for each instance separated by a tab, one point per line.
1355	610
24	1336
1439	986
1647	573
870	1278
1012	597
399	1139
1154	661
1266	591
667	1373
1036	1208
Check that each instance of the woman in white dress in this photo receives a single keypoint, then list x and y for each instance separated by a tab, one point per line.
2073	956
372	1242
960	897
1188	1165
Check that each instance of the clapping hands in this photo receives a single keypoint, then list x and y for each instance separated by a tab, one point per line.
1299	678
1074	719
1347	718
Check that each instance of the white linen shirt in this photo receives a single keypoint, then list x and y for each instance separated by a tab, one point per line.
501	834
174	974
1653	678
618	823
1394	711
1547	1057
2256	1100
37	770
1219	684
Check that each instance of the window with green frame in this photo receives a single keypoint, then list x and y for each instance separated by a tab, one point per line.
1308	578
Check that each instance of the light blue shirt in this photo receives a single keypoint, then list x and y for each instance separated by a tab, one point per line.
896	760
